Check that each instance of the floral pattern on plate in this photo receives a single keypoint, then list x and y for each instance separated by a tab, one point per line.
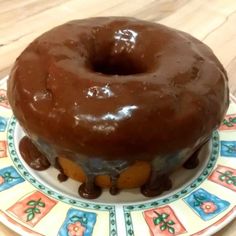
33	208
228	148
78	223
3	123
205	204
163	221
229	122
224	176
3	98
3	148
9	178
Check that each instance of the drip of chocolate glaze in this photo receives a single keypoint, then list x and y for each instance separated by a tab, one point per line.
114	189
61	176
193	161
156	185
88	189
32	156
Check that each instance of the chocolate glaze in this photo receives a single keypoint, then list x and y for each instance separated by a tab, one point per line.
32	156
114	189
193	161
180	94
61	176
156	185
114	88
88	189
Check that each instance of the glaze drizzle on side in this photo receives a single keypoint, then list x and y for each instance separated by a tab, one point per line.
32	156
155	185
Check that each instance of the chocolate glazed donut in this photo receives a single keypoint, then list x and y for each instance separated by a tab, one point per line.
105	92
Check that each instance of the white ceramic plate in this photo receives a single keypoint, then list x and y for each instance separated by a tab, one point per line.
201	201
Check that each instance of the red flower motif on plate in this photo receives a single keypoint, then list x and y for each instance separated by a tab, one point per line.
76	229
208	207
2	180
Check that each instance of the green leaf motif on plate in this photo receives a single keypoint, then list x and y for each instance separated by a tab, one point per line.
227	177
165	224
34	208
230	122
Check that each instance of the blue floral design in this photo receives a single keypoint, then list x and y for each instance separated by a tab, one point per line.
200	199
3	123
87	220
9	177
228	148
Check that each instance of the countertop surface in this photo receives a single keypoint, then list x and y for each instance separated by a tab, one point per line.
212	21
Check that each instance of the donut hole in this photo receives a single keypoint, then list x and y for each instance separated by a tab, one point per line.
117	65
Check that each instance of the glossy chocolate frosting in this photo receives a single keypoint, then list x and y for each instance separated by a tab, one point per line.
118	88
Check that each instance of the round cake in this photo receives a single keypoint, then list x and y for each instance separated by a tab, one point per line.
116	102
